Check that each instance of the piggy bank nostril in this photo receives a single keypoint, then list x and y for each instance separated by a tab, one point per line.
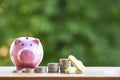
22	44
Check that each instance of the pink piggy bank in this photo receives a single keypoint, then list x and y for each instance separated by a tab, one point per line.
26	52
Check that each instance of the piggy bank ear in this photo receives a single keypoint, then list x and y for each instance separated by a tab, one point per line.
36	41
17	41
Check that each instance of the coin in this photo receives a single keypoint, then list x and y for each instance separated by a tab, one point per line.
53	70
63	62
52	65
62	70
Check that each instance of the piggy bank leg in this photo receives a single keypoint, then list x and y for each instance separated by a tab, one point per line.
33	66
19	67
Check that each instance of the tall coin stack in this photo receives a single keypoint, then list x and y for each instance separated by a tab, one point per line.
53	67
64	64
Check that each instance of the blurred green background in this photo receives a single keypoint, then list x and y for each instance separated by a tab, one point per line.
87	29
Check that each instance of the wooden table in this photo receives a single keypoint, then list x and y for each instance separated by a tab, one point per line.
91	73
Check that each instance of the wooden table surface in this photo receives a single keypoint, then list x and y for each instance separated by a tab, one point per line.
91	73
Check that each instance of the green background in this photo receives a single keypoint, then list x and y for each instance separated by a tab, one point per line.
87	29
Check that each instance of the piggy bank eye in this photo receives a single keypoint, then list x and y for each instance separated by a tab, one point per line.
22	44
30	44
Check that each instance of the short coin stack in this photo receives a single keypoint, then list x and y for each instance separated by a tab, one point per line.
28	70
40	69
53	67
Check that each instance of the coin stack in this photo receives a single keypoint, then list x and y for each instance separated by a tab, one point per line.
64	64
40	69
53	67
28	70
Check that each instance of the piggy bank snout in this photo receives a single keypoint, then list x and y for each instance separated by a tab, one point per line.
26	56
27	53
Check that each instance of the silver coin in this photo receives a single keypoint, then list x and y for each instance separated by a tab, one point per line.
52	65
64	63
53	70
62	70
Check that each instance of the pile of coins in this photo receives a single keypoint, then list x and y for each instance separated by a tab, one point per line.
53	67
64	66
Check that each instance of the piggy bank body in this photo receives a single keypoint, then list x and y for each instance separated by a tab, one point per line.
26	52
